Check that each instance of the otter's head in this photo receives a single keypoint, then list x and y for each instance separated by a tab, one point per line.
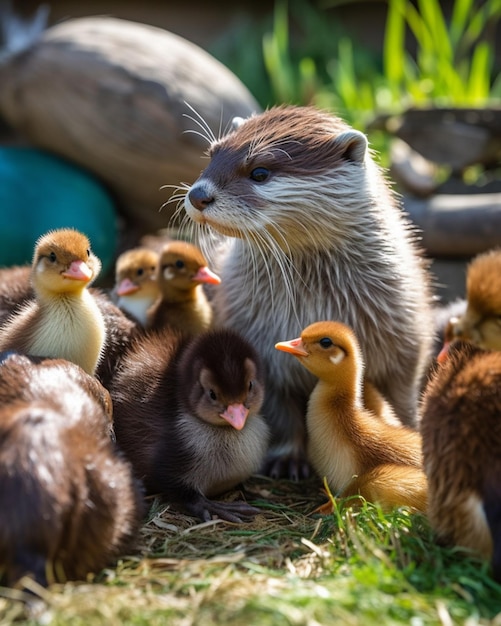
284	174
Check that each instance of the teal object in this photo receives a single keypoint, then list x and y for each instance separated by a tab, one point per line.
40	192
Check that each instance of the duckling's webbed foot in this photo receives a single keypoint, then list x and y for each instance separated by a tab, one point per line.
237	511
293	466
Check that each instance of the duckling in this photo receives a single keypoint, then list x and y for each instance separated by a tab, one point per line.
120	329
357	452
186	414
481	322
136	286
446	317
64	320
448	338
16	290
70	503
183	303
461	431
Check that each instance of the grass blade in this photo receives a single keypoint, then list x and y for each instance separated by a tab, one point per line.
394	42
461	12
478	87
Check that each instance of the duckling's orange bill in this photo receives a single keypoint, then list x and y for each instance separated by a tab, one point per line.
78	270
205	275
294	346
126	287
235	414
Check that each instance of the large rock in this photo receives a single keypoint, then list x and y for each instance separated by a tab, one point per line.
119	98
457	226
457	137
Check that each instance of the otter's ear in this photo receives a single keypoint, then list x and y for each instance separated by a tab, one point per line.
236	122
354	145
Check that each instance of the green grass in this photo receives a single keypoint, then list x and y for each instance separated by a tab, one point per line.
290	566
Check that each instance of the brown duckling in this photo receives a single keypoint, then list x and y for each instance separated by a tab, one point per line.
136	286
461	431
480	324
183	304
70	504
186	414
357	452
64	320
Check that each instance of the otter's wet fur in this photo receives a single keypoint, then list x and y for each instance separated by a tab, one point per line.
316	233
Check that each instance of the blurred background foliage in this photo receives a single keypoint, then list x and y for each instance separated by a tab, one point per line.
300	55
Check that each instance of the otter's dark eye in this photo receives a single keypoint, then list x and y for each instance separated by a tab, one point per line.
212	394
179	264
260	174
52	257
251	385
325	342
140	271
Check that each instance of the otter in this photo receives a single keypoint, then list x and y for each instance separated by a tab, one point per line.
313	231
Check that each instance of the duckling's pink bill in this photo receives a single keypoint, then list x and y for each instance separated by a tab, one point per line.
294	346
78	270
126	287
205	275
236	415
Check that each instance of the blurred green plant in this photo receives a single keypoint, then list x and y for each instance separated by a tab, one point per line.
307	59
454	61
301	55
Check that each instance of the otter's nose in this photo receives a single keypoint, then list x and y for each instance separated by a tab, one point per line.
199	197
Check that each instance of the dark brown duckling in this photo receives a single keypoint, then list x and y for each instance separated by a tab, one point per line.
70	504
461	431
186	414
183	304
63	321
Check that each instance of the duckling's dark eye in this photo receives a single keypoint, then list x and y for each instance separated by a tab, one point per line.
212	394
251	385
140	271
88	252
259	174
325	342
52	257
179	264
